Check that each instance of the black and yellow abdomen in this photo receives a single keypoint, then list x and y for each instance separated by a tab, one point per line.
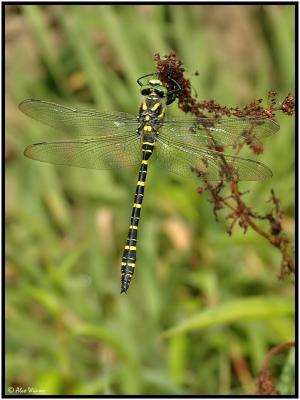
129	254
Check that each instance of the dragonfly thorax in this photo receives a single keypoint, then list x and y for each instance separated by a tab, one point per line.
151	114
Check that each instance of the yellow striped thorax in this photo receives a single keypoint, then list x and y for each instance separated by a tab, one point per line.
152	110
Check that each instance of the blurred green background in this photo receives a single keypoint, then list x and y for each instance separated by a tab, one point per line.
203	308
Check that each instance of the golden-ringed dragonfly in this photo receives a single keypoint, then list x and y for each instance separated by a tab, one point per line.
116	140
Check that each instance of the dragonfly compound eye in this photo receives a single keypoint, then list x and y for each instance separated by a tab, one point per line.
146	91
160	93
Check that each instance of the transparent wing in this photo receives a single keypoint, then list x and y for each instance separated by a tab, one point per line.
209	165
222	132
79	122
97	153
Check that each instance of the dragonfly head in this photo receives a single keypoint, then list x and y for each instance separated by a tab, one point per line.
157	88
154	87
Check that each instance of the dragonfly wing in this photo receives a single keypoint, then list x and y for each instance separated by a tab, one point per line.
214	132
209	165
96	153
80	122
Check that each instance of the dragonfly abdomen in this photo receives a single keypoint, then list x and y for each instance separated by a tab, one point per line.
129	253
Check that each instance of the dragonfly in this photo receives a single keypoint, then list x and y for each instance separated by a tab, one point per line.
100	140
